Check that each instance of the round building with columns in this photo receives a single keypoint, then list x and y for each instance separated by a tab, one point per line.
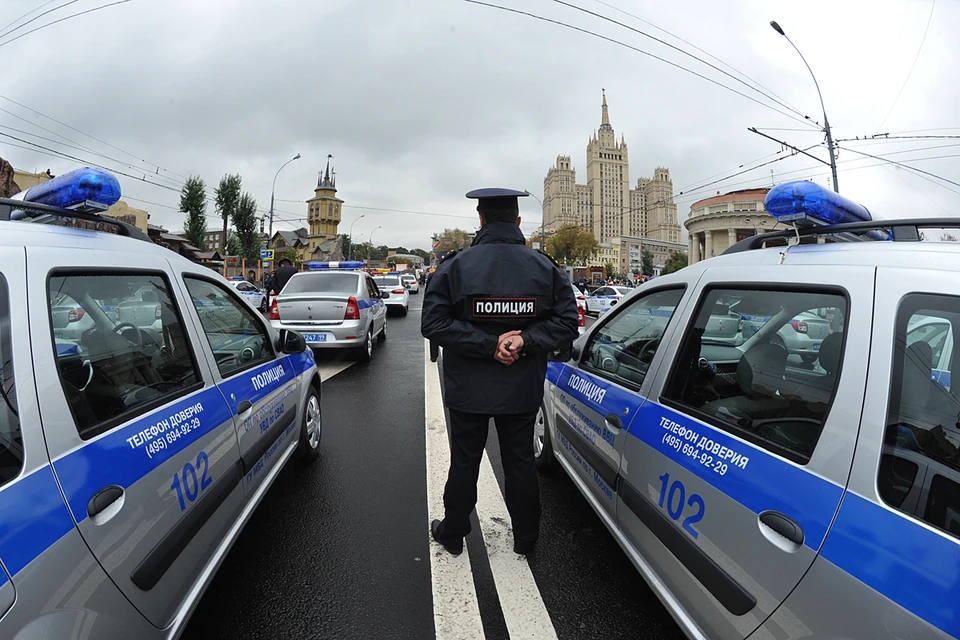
716	223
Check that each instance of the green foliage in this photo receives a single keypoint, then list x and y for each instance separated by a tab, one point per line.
453	240
245	222
234	248
421	253
572	245
193	202
646	263
289	254
675	261
227	197
610	270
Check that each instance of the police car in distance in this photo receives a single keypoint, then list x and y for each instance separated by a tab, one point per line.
253	294
133	452
603	298
760	497
334	305
396	292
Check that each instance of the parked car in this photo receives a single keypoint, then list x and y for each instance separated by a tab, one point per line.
395	294
253	294
410	281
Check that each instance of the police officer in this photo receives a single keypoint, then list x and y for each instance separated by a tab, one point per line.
284	273
497	308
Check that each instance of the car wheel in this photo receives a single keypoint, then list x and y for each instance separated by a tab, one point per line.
542	446
383	333
365	353
809	358
263	304
312	428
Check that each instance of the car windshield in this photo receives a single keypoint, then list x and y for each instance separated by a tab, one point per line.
388	281
322	282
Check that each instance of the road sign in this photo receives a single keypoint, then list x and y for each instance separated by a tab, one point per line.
266	254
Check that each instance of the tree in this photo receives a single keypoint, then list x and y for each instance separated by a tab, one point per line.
290	255
572	245
422	254
610	270
675	261
228	198
453	240
347	246
234	247
245	222
392	262
193	202
646	263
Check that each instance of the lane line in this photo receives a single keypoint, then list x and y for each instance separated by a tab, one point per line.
329	369
456	612
523	607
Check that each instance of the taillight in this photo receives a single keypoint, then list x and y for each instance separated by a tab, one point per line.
799	326
353	309
584	298
398	291
76	314
274	312
581	317
159	312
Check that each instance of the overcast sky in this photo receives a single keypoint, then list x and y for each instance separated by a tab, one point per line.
420	101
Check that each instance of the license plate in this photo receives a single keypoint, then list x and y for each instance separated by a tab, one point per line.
816	347
315	337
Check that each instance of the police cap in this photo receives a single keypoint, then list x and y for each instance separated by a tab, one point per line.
497	200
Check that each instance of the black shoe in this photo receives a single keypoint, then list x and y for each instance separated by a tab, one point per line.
433	359
524	548
455	548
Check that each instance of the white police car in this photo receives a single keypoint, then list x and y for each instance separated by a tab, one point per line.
130	456
253	294
761	497
605	298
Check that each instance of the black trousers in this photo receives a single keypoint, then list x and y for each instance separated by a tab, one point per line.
468	437
434	350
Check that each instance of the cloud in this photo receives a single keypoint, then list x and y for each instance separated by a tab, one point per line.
421	101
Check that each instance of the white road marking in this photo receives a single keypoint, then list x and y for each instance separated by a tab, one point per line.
329	369
456	613
523	608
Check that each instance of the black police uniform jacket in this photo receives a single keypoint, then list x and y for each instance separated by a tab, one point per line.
497	285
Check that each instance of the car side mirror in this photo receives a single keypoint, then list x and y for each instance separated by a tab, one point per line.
564	355
292	342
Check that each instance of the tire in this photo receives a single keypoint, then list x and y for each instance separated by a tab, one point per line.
383	334
809	358
403	311
543	455
263	305
311	429
365	353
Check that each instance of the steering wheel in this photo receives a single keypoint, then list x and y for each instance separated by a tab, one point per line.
124	325
648	350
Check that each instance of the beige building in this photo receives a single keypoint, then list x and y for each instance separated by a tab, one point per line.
721	221
606	205
121	210
631	253
323	216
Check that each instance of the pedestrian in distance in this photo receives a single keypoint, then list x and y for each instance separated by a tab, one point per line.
498	308
284	273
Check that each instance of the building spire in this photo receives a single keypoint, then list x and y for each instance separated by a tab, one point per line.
324	179
606	118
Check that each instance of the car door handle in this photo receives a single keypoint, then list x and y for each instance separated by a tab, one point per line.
244	406
781	530
613	422
105	504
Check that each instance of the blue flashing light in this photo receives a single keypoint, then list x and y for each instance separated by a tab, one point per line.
86	189
802	199
342	265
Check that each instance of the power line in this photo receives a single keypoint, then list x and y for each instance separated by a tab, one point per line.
726	171
637	49
26	14
35	18
678	49
906	166
72	15
882	137
72	128
733	175
933	6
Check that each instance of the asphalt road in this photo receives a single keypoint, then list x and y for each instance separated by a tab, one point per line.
341	549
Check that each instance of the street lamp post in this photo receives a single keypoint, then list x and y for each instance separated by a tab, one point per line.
543	240
826	122
274	188
370	246
351	236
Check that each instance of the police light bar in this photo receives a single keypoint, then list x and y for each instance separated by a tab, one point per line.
804	203
320	266
87	189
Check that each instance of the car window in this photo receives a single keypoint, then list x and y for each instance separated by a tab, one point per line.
238	340
123	349
322	282
623	348
11	442
920	465
777	387
245	286
372	288
387	282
